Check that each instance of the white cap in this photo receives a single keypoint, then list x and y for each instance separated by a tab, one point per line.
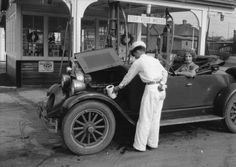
136	44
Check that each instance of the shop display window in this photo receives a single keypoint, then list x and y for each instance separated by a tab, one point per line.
32	35
57	37
102	34
88	35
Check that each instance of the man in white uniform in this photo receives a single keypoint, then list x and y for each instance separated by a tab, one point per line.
154	75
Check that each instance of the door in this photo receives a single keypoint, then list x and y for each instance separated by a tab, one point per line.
183	92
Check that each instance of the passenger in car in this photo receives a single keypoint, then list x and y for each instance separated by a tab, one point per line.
189	68
154	75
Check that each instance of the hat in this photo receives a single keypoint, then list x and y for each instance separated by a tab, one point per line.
136	44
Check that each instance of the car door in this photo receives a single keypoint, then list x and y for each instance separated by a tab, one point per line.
184	92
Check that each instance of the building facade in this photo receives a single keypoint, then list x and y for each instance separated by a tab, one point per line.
42	35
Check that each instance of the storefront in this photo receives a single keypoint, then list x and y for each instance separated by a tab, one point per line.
37	41
42	35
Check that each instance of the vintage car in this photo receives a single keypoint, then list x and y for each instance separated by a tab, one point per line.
87	117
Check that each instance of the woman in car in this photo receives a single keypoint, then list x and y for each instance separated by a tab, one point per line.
189	68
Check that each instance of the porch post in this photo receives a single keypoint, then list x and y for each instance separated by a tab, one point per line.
139	32
203	25
203	32
78	9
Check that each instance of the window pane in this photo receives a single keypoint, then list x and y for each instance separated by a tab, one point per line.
57	37
102	34
88	35
32	35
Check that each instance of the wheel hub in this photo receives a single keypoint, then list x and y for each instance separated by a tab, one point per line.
90	129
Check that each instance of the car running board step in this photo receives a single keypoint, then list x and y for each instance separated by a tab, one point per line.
202	118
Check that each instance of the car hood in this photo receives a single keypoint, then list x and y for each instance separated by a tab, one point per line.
97	60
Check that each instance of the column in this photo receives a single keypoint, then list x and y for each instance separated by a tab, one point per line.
203	25
78	9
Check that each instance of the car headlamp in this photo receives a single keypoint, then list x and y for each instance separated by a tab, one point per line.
65	81
79	75
77	86
68	70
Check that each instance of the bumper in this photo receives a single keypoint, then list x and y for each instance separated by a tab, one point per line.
50	123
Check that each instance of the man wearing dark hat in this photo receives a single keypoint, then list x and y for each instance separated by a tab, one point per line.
154	75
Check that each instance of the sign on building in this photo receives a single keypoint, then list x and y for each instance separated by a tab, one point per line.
146	20
46	66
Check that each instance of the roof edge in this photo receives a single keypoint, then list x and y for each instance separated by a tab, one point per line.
228	4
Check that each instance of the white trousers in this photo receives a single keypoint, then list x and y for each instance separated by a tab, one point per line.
148	125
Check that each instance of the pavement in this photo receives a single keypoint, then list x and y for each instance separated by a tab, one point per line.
24	140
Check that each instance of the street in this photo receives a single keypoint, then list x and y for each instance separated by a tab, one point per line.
25	142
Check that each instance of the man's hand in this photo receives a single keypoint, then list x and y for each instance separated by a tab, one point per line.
116	89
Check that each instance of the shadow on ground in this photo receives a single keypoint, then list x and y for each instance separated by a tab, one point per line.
5	80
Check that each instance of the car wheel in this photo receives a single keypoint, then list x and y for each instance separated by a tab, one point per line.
88	127
230	114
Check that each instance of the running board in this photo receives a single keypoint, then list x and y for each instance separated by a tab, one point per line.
202	118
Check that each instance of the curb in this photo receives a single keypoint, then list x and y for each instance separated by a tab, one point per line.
7	88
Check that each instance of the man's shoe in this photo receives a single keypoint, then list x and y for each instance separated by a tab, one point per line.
130	149
150	148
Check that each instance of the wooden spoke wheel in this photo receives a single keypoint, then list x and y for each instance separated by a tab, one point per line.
88	127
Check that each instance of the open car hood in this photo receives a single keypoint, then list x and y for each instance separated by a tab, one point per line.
96	60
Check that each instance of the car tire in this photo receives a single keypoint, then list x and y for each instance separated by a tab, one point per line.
88	127
230	114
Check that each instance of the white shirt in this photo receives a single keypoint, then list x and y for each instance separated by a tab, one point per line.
149	70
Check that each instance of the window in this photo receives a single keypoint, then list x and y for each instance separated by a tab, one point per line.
33	35
88	35
102	34
57	36
55	33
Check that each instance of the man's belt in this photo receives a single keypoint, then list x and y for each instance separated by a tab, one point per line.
152	82
160	87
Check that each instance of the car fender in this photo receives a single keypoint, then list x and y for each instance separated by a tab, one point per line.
223	98
53	89
57	92
231	71
85	95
